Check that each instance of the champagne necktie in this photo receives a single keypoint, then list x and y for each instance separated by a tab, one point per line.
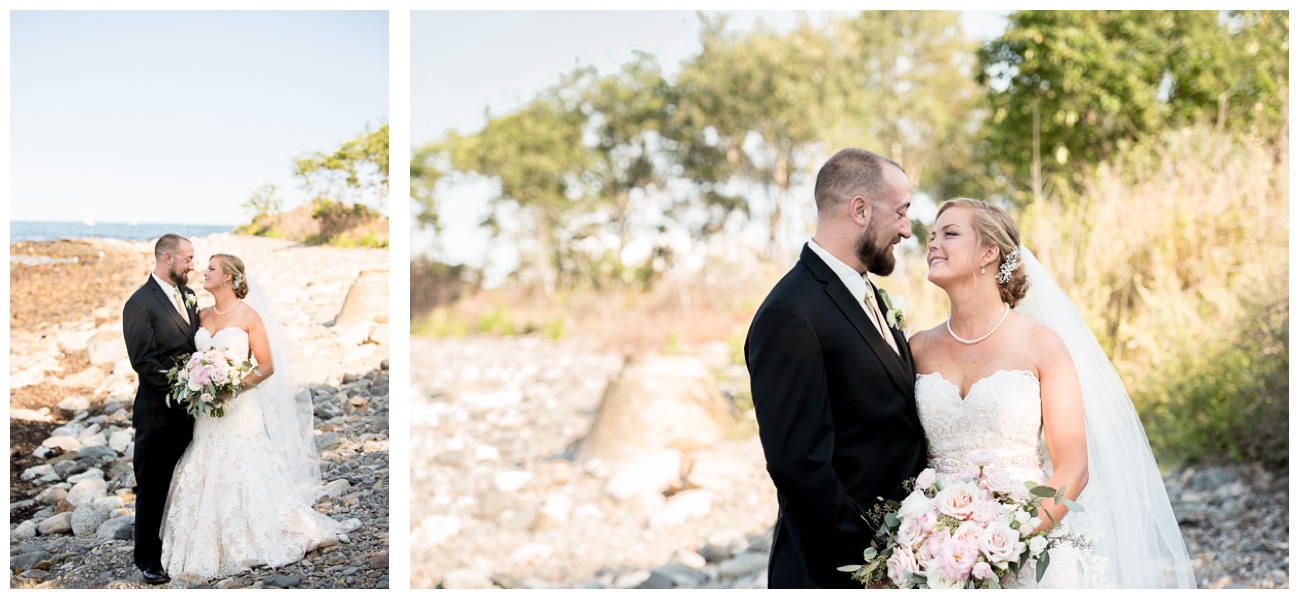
176	295
874	309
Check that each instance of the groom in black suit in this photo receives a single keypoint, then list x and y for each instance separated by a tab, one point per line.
159	323
832	378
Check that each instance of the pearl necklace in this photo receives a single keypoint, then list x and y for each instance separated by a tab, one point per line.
237	301
983	337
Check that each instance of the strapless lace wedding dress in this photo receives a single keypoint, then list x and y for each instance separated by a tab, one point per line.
232	504
1003	413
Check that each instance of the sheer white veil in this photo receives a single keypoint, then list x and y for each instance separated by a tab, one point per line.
286	403
1126	507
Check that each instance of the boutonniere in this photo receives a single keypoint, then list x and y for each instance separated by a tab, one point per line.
896	305
190	300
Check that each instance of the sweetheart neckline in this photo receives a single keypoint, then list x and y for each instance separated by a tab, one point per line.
214	335
972	386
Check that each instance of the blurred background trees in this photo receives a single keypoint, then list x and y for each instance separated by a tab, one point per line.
1143	153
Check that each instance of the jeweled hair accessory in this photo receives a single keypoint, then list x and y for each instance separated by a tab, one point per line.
1013	260
239	278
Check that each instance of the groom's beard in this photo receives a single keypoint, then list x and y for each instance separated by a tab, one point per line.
877	260
177	274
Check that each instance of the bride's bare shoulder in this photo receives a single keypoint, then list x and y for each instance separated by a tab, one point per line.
922	339
249	318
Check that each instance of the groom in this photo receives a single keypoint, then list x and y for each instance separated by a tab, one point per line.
832	380
159	323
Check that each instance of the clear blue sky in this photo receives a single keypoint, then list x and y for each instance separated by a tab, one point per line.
175	117
464	62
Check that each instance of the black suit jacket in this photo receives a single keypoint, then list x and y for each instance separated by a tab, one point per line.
837	418
155	335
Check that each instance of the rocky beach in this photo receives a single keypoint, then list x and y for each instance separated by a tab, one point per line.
505	492
71	390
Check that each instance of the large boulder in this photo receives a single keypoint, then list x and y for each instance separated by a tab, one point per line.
106	346
87	518
90	377
656	402
366	302
87	491
60	523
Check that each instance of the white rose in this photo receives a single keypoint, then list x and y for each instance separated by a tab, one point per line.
981	457
1020	493
935	579
193	385
986	512
1021	516
926	479
999	543
1037	544
969	532
957	500
901	563
911	533
999	480
914	504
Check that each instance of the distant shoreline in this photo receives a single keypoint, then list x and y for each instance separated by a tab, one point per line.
49	231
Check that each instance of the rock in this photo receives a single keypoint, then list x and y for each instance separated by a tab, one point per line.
329	409
1211	478
120	440
688	559
657	402
683	507
653	472
743	563
87	490
329	441
379	562
87	518
88	474
24	414
61	442
682	576
335	488
110	503
64	507
356	334
106	346
519	520
492	505
366	302
530	552
60	523
37	471
25	562
558	508
357	404
95	441
25	530
188	581
117	528
466	579
68	468
656	581
283	581
631	580
52	496
511	481
72	430
75	404
89	377
434	530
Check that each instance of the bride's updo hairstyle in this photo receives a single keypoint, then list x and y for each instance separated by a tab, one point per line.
231	265
994	227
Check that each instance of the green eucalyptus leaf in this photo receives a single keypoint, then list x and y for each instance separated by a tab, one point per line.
1072	505
1043	491
891	520
1043	560
993	584
849	568
868	554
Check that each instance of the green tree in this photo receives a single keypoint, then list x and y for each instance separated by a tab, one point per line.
358	165
263	202
425	174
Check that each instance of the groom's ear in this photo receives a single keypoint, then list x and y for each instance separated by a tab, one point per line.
859	211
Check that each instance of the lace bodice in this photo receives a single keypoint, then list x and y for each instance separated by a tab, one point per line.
238	340
1001	413
243	414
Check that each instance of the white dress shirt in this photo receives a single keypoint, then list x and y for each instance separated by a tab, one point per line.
172	293
859	286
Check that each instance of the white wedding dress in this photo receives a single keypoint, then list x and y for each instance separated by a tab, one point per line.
1002	413
233	504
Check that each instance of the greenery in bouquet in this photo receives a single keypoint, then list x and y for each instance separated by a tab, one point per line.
203	382
969	530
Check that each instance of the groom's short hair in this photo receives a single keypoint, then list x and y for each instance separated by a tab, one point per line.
167	243
851	172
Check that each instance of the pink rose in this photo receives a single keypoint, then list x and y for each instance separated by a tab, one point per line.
999	480
934	546
970	533
1020	493
1000	542
926	479
982	570
929	520
956	559
900	564
911	533
985	512
957	500
206	398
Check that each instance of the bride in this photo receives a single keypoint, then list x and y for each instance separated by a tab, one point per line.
242	493
997	379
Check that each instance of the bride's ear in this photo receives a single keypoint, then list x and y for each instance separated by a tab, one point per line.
990	258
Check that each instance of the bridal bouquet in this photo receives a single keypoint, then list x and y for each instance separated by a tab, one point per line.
965	532
204	381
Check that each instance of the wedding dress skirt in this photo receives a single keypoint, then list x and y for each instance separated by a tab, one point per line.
232	504
1002	413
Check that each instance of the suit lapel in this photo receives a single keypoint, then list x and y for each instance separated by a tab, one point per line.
854	313
171	307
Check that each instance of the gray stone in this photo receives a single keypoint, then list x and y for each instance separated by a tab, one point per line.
119	440
74	404
60	523
68	468
37	471
681	575
52	496
88	474
329	441
98	440
743	563
283	581
329	409
87	518
1210	478
61	443
656	581
117	528
335	488
25	530
25	562
97	451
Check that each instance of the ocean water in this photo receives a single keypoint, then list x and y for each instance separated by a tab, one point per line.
45	231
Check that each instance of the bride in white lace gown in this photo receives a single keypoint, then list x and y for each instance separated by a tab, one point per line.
995	379
239	498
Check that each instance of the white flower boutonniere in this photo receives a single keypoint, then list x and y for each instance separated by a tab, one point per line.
896	305
190	300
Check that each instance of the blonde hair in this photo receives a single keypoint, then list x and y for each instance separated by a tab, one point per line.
231	265
994	227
